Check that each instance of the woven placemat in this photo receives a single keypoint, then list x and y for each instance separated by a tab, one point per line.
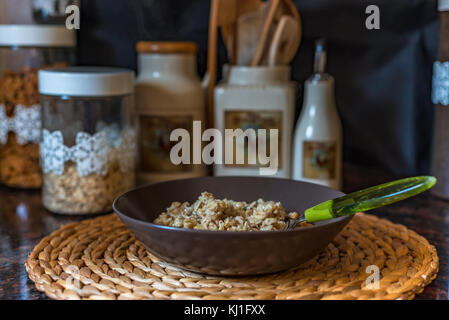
100	259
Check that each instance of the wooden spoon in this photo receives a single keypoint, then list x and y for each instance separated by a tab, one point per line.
222	13
290	8
273	7
248	25
243	7
232	34
285	42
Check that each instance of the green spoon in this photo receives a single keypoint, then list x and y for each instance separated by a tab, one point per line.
364	200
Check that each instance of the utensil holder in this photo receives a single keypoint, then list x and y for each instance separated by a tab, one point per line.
256	98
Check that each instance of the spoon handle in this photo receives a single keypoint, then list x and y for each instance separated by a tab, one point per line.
369	198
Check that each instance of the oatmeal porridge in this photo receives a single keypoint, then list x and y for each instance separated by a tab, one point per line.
209	213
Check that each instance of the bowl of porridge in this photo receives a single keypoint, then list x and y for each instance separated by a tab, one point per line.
228	225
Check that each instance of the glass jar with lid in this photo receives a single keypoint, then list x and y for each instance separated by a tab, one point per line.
25	49
88	145
169	96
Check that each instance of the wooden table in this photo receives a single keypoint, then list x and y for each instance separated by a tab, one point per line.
23	222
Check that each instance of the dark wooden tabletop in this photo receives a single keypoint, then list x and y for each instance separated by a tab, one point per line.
23	222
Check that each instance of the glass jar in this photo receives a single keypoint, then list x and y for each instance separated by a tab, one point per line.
24	49
168	96
88	145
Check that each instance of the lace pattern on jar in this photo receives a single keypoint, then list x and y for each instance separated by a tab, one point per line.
91	153
26	124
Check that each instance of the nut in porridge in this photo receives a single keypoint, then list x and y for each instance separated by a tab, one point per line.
208	213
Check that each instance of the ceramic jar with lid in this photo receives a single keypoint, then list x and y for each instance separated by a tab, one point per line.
256	98
169	96
88	146
25	49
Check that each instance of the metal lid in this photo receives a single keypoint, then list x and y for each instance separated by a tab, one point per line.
29	35
86	81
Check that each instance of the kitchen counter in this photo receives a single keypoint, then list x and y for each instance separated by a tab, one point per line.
23	222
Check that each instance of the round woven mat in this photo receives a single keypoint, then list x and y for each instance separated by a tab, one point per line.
100	259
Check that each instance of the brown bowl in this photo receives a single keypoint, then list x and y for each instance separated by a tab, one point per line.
229	252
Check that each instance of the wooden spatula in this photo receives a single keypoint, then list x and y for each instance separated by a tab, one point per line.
229	37
285	42
222	13
274	6
290	9
248	25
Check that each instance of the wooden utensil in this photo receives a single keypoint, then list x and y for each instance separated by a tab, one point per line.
285	42
243	7
290	8
222	13
273	7
248	26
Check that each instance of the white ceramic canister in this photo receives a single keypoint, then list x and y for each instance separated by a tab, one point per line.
256	98
168	96
318	136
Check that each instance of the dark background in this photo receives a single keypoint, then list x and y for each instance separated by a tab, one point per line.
383	77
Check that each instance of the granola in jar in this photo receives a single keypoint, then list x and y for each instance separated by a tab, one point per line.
19	158
71	193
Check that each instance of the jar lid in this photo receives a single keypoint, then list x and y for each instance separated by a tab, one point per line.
29	35
443	5
165	47
86	81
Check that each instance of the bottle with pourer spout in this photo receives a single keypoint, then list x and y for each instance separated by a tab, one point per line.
317	154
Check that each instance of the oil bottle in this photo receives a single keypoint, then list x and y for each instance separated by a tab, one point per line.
317	154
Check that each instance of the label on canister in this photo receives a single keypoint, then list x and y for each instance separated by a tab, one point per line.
253	120
155	144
